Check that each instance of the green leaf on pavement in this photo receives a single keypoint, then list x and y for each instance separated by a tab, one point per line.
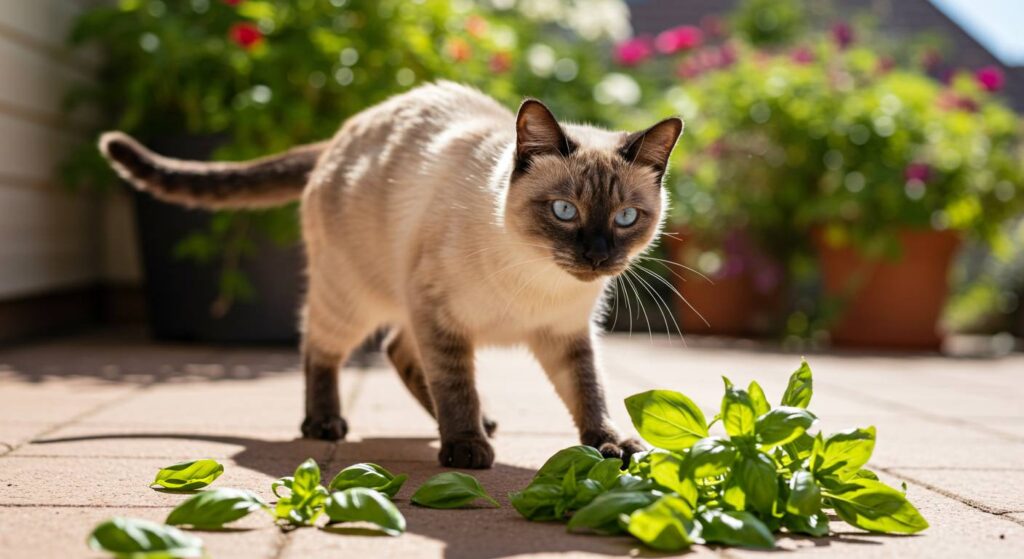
361	504
132	538
370	476
450	490
189	476
215	508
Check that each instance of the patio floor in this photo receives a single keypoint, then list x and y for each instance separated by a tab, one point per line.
85	422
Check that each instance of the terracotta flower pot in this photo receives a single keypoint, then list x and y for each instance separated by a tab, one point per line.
732	304
890	304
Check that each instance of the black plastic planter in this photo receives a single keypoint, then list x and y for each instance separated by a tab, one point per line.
180	293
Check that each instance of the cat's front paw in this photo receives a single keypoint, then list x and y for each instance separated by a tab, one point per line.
472	451
324	428
607	442
623	449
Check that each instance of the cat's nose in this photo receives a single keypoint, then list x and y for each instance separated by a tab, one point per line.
597	252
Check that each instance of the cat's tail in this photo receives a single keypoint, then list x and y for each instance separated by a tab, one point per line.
259	183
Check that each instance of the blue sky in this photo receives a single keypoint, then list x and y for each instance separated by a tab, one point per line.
997	24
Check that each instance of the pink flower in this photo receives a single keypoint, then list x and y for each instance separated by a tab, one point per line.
684	37
991	78
842	34
246	35
728	54
917	172
802	55
633	51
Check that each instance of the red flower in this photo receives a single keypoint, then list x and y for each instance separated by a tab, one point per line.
917	172
802	55
842	34
246	35
500	62
232	2
991	78
633	51
458	49
476	26
684	37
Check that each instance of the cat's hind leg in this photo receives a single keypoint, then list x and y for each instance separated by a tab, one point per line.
402	353
328	339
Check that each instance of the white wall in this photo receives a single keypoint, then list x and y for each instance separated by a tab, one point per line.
50	239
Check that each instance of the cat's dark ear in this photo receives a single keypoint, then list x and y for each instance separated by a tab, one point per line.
538	133
652	147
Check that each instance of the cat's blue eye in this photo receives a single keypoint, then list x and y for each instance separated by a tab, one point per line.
626	217
563	210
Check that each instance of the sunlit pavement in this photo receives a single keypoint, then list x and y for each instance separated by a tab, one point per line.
86	422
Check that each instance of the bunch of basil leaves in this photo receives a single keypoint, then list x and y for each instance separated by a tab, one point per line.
767	474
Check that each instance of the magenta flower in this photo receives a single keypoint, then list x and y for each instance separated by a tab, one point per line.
684	37
802	55
917	172
842	34
991	78
633	51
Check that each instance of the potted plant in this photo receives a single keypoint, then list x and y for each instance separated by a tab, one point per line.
237	79
858	174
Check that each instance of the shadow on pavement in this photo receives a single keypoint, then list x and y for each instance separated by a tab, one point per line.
481	532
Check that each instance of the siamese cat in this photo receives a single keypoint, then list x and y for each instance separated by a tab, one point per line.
455	223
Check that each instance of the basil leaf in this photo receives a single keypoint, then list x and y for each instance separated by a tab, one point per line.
370	476
141	539
667	419
753	484
602	514
665	525
800	448
876	507
800	388
804	495
844	453
757	399
215	508
737	411
580	458
814	525
189	476
667	471
711	457
606	472
735	528
361	504
782	425
581	496
538	501
450	490
304	501
865	474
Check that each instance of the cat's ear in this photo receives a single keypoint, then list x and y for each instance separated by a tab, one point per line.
652	147
538	133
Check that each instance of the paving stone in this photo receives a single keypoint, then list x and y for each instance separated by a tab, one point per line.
85	440
995	490
59	532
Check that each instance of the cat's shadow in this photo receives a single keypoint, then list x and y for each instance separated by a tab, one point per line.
482	531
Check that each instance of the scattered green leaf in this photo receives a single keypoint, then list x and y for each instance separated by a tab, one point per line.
450	490
189	476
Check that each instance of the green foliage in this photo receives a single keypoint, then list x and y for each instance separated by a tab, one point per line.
450	490
370	476
359	504
132	538
213	509
768	474
189	476
304	500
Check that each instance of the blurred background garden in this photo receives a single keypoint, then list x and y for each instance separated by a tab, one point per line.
850	175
